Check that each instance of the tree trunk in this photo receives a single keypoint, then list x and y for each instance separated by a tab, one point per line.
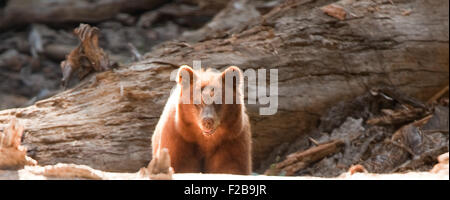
106	122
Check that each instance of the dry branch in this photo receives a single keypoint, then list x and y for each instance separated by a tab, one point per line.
12	154
68	171
300	160
438	95
87	57
397	116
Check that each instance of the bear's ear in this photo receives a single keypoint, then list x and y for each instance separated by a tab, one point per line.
232	77
185	75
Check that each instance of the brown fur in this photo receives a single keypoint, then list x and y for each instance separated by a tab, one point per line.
179	130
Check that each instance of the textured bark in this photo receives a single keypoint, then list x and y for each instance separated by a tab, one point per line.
106	122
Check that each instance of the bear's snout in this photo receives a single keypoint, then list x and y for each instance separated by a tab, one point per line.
208	123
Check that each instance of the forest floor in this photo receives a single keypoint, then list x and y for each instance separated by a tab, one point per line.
37	173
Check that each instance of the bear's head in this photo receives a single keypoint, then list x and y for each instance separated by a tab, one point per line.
210	101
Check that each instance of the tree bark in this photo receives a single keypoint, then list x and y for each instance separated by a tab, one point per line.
106	122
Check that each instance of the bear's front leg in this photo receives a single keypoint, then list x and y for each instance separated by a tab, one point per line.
232	157
184	155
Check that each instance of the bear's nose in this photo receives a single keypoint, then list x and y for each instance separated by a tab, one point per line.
208	123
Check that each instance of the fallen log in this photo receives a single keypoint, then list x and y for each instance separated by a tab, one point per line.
13	158
21	12
106	121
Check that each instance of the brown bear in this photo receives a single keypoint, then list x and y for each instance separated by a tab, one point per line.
206	137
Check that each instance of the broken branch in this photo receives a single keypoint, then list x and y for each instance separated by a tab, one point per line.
298	161
12	154
87	57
